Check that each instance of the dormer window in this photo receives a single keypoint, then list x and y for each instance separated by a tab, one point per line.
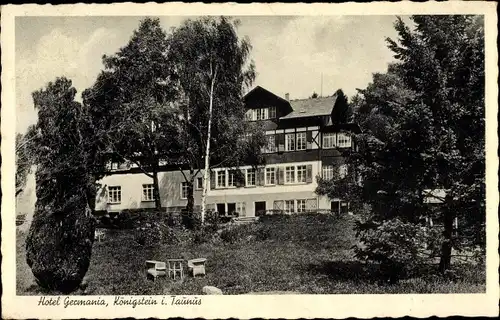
272	112
262	114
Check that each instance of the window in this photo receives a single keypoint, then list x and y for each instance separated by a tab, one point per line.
301	205
257	114
272	112
115	194
115	165
343	171
240	208
289	174
301	173
221	179
254	114
147	192
250	177
271	143
328	172
199	183
329	140
343	140
230	179
263	114
184	190
270	176
289	206
301	141
290	142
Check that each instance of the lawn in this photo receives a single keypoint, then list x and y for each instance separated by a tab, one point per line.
299	254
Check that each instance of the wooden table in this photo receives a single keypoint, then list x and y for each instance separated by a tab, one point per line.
175	267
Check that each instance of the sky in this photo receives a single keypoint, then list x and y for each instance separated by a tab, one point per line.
291	53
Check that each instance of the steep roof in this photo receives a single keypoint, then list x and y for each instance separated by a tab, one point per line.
258	90
311	107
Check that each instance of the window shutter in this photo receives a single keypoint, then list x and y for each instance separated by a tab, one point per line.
281	175
212	180
309	140
278	205
281	142
311	204
260	176
309	171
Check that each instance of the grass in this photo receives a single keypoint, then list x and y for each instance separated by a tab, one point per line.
301	254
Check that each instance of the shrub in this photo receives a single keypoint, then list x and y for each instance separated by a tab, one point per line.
174	219
128	218
203	235
231	235
263	233
191	221
152	227
399	247
274	217
212	221
148	235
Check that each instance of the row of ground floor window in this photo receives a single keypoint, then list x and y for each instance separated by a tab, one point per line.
290	206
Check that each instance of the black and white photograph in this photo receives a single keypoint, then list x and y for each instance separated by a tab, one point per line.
159	159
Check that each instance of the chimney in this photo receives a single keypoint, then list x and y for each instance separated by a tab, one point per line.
287	96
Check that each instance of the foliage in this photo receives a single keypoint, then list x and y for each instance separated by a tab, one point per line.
59	243
131	102
61	145
214	69
231	235
24	157
400	247
423	128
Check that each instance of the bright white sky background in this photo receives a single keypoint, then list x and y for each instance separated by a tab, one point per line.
290	53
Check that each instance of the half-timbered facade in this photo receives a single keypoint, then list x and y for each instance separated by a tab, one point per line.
305	139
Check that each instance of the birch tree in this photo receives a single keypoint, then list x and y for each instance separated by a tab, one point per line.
214	69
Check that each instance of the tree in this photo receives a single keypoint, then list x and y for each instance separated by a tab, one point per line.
59	242
24	157
443	62
213	69
423	124
131	102
314	95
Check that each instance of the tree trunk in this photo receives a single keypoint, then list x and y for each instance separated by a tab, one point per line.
207	152
156	189
190	194
445	261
